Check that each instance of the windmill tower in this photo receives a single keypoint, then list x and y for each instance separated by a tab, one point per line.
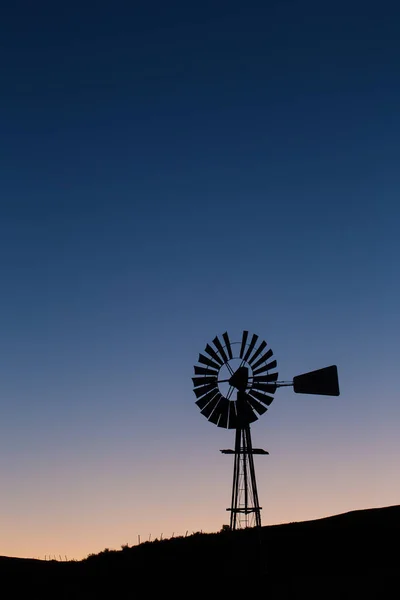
245	368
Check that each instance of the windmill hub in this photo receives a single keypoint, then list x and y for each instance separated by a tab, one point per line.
240	379
225	374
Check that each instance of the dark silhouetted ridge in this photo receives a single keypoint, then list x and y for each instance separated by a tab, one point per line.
351	555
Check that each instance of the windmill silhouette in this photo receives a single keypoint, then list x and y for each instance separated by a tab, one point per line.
246	367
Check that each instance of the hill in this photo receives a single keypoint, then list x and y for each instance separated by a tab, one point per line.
352	555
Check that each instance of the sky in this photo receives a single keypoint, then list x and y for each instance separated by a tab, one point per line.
170	171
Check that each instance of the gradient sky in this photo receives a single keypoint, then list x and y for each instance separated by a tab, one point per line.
170	171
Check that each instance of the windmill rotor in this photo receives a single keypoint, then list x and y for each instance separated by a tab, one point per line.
247	371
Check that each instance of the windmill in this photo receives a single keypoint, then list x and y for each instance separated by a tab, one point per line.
245	367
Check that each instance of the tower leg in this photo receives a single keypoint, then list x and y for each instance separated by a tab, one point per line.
253	483
236	479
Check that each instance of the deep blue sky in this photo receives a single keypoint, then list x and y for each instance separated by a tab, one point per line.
170	170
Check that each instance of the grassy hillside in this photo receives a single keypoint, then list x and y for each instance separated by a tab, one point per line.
354	555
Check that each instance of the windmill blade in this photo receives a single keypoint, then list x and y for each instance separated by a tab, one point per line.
204	371
218	410
204	389
251	347
211	406
270	377
221	350
261	387
268	367
270	388
204	380
263	378
232	418
257	352
202	402
227	344
214	417
213	354
244	340
223	408
260	408
262	397
263	359
246	413
204	360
